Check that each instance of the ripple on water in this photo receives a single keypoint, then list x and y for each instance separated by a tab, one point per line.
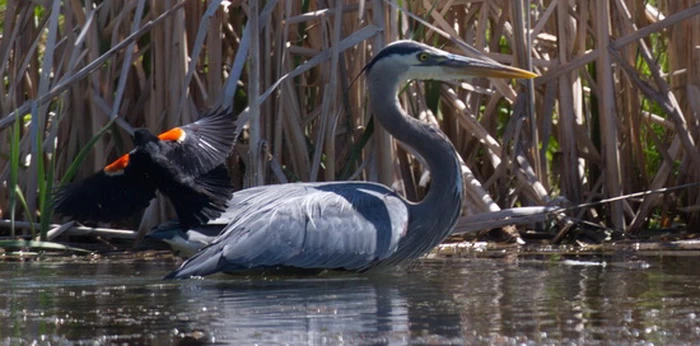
450	301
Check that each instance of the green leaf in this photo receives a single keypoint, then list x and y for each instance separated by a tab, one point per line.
45	206
14	171
20	197
357	150
40	172
70	173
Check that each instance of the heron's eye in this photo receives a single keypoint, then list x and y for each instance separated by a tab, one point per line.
423	56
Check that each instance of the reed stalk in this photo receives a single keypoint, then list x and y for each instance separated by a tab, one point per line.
613	112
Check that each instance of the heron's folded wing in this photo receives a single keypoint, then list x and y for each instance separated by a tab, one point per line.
335	226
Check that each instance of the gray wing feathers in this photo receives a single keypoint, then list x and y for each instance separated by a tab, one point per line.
306	226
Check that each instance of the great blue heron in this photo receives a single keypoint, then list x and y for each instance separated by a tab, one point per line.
351	225
184	163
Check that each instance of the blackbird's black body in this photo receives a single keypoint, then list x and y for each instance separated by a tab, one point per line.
184	163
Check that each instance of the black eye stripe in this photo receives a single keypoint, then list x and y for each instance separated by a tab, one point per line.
397	49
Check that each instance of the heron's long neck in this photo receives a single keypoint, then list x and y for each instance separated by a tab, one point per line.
439	210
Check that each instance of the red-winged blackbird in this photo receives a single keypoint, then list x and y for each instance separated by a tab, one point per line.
184	163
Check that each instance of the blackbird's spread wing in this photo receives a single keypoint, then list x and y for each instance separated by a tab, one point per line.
198	184
199	147
200	199
186	165
119	190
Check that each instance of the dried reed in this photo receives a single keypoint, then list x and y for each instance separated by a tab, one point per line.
615	110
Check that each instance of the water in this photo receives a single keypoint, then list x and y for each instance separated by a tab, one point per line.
514	300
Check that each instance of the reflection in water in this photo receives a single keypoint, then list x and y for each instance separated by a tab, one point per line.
452	301
310	311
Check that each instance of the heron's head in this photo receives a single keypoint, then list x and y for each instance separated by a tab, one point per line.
407	60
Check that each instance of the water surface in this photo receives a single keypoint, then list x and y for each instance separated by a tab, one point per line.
515	300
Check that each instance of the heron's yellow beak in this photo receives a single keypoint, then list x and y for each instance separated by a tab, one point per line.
479	68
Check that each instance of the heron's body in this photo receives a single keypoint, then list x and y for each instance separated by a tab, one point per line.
353	225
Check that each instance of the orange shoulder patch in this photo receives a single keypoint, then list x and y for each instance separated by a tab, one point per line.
174	134
117	167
